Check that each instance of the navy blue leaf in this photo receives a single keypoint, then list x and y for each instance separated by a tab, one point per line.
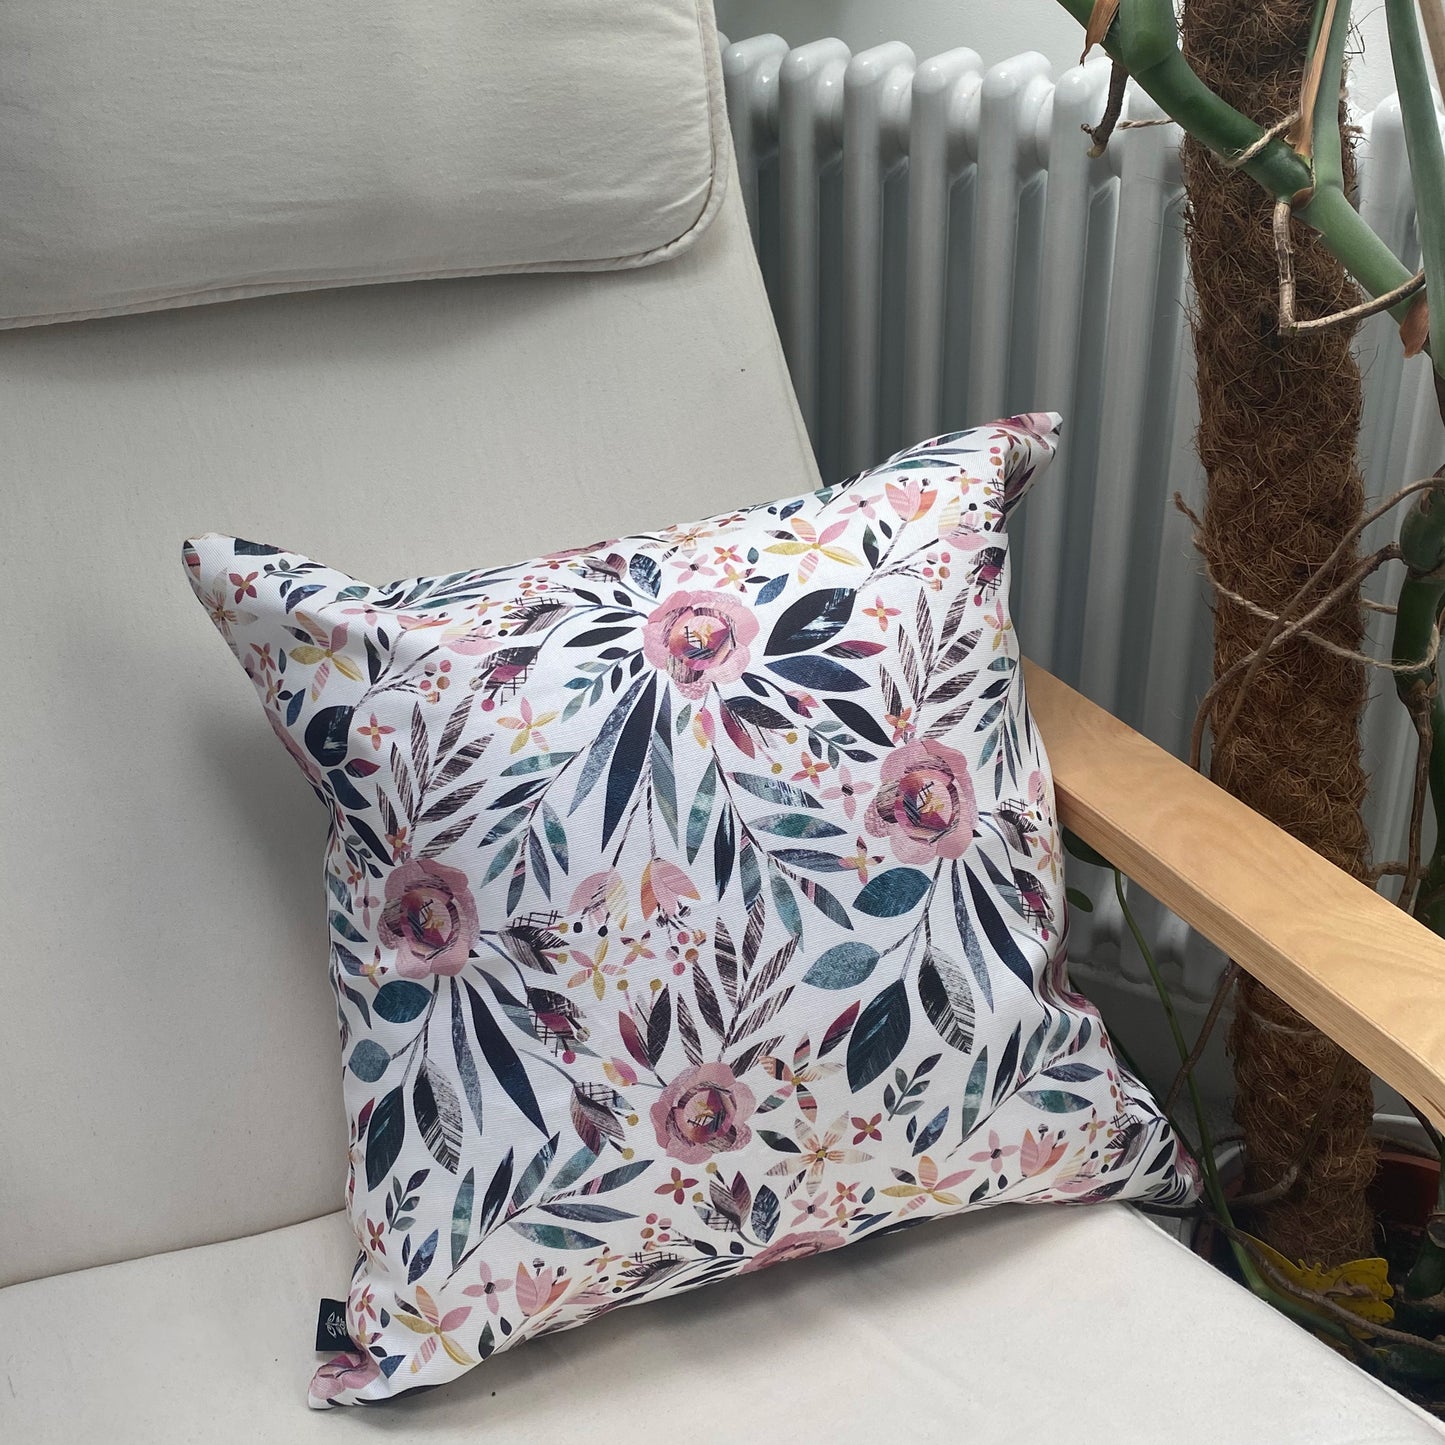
859	720
534	1173
328	735
502	1059
757	714
628	759
997	932
401	1000
439	1117
819	674
496	1193
1007	1064
374	845
596	636
766	1210
345	791
929	1134
771	589
384	1134
724	849
810	858
421	1260
298	595
604	742
1072	1073
466	1064
878	1036
892	893
815	618
243	548
780	1142
616	1178
358	1000
971	946
947	1000
646	573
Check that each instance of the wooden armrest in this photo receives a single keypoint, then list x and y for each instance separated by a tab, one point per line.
1351	962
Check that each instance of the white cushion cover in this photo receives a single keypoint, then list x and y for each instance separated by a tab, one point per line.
166	152
1016	1326
134	763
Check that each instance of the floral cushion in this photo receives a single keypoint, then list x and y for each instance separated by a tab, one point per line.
695	904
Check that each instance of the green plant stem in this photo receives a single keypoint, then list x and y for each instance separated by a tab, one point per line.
1427	156
1144	39
1212	1184
1430	902
1329	161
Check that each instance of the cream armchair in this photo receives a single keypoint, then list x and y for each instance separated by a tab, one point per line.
170	1132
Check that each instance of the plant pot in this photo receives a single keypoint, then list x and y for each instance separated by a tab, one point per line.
1402	1195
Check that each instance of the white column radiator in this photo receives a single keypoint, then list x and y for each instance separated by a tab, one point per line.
940	250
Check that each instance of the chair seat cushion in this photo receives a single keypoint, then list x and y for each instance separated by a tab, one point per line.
972	1329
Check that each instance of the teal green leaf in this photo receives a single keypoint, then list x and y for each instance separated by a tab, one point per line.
554	1236
845	965
462	1216
892	893
400	1001
1055	1101
368	1060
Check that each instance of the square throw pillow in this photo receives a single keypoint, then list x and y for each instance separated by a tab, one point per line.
695	900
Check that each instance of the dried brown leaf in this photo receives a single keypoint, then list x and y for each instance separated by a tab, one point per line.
1099	22
1415	328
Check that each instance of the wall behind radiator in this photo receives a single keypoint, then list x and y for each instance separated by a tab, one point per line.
994	28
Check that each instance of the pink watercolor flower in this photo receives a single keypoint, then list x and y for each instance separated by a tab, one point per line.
996	1154
489	1289
703	1112
925	803
343	1373
430	918
909	500
849	789
794	1246
698	639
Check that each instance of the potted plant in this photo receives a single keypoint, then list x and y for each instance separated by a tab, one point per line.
1277	250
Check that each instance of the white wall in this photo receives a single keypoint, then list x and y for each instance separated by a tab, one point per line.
994	28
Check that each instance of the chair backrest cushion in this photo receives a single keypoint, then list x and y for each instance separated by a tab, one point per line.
159	153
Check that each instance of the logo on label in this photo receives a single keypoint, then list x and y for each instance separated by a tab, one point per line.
331	1331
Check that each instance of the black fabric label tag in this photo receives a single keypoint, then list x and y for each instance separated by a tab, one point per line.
331	1327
